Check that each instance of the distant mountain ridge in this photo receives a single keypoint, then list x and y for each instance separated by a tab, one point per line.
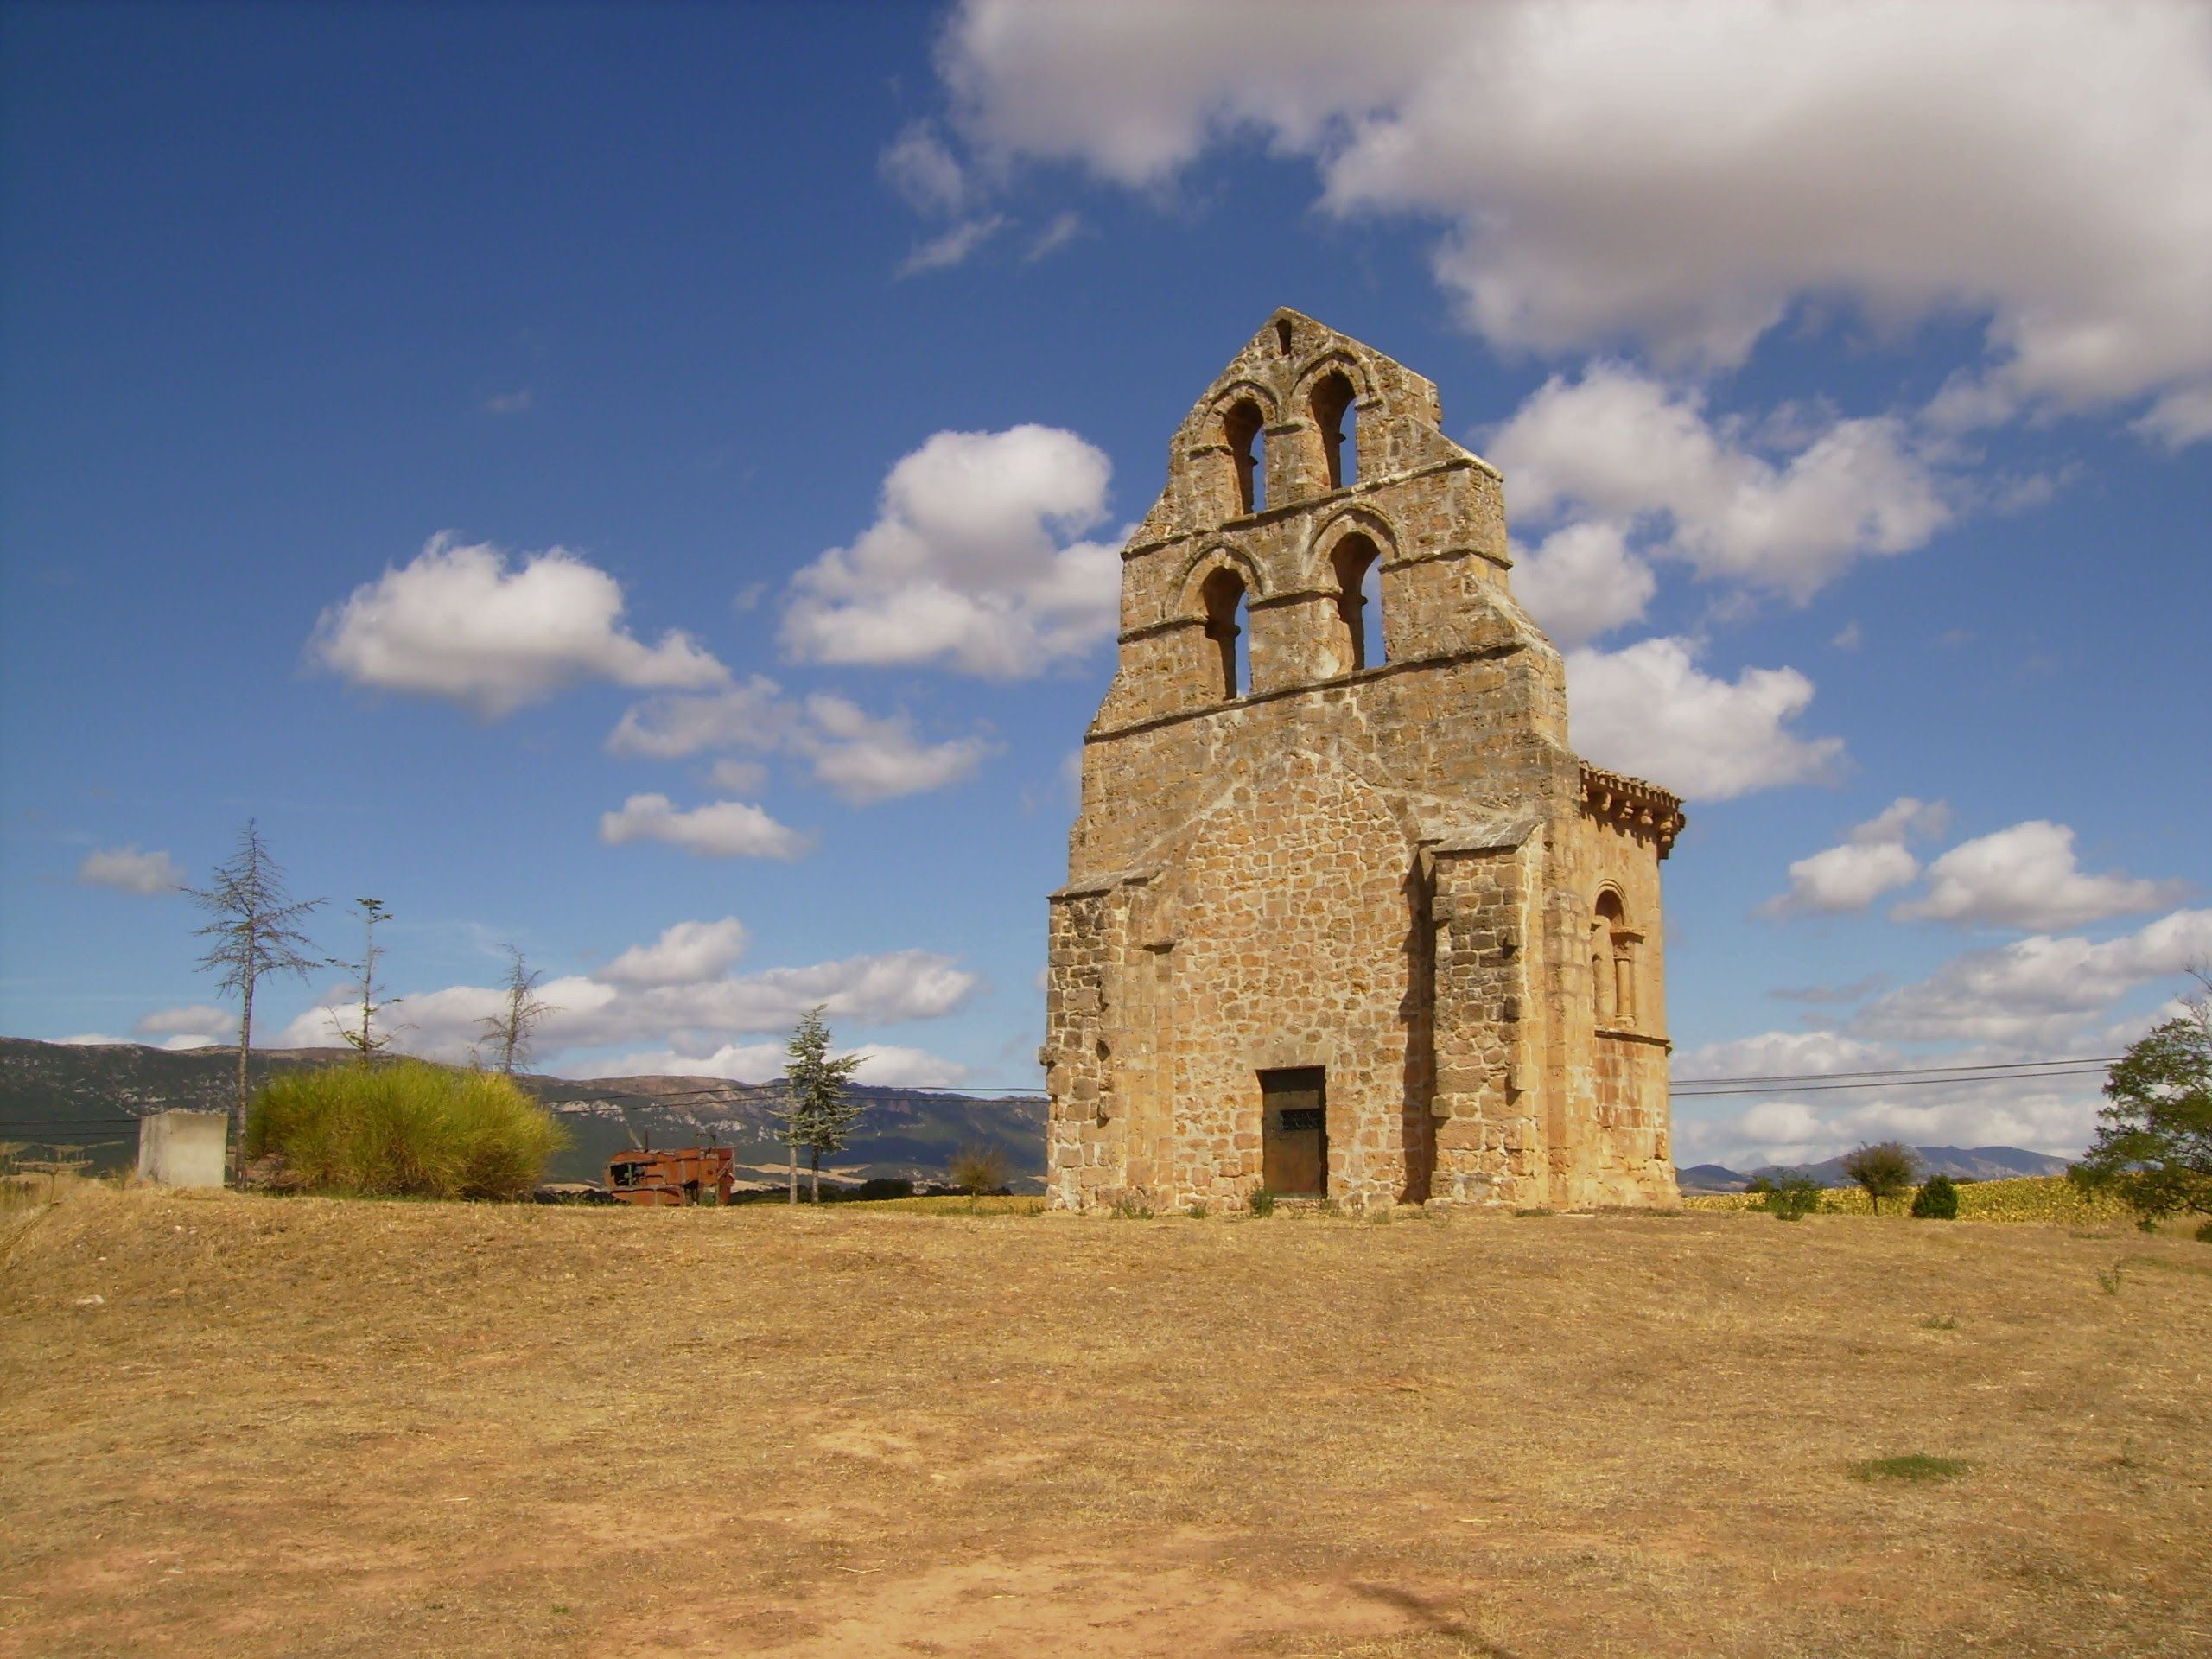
89	1094
1959	1163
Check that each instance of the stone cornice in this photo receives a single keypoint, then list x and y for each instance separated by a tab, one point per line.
1307	688
1640	808
1306	505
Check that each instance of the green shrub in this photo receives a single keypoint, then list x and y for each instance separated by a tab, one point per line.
1263	1202
1937	1200
405	1130
1793	1197
2204	1232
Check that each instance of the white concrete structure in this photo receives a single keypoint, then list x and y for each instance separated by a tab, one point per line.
183	1148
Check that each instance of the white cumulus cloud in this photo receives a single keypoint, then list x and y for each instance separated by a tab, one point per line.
192	1026
128	870
864	758
718	829
970	563
1650	710
1583	581
683	954
2041	991
1873	861
458	622
2026	876
1622	448
754	716
1682	175
885	1065
690	1016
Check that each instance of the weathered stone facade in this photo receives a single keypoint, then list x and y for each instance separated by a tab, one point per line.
1348	918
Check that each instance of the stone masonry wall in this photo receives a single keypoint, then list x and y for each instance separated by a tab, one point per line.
1395	871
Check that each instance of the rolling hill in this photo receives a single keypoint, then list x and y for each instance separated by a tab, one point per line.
90	1096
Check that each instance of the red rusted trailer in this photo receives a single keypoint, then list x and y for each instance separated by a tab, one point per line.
682	1175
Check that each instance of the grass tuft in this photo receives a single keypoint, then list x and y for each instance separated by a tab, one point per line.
1914	1466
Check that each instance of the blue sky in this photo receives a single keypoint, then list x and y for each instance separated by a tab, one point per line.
641	483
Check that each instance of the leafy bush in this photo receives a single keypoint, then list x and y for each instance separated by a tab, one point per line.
1937	1201
1793	1197
1263	1202
2154	1141
978	1170
405	1130
2204	1232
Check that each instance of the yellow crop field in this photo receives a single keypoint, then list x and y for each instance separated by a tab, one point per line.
2049	1198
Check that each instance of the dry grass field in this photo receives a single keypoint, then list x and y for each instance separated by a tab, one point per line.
305	1427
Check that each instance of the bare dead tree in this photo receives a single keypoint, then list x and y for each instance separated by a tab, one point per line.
363	1038
255	927
509	1034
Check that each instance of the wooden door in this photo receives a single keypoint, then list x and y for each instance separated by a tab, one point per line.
1295	1132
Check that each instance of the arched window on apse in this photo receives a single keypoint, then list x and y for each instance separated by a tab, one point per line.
1226	627
1358	564
1337	421
1612	962
1244	429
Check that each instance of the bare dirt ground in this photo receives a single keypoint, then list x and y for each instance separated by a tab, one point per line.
304	1428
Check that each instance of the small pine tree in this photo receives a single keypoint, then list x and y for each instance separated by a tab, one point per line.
818	1114
1937	1201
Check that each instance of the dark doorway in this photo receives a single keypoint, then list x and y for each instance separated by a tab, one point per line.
1295	1132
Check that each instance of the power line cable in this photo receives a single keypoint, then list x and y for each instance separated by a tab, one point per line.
1902	1082
1897	1072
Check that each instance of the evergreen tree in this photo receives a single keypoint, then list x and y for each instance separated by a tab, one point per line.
1937	1201
817	1112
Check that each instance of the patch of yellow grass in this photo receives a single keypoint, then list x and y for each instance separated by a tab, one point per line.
250	1427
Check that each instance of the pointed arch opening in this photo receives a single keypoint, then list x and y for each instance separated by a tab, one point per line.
1228	631
1244	430
1359	565
1337	421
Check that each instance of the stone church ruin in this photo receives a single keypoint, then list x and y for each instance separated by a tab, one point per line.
1346	917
